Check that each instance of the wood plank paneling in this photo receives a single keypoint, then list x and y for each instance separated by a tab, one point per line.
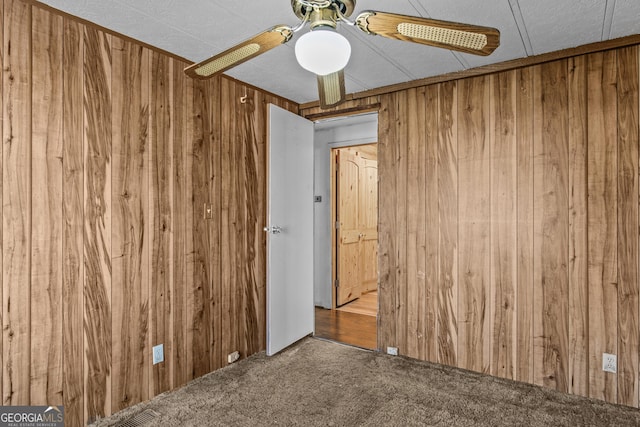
426	301
242	205
259	130
190	217
46	224
552	180
180	200
560	240
415	279
525	208
539	162
97	229
220	324
73	222
107	163
200	314
228	233
447	326
474	193
421	158
16	201
602	221
400	232
1	195
503	160
251	134
578	257
415	276
129	230
428	220
386	223
161	212
628	136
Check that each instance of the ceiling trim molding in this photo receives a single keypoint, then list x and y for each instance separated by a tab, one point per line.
345	112
493	68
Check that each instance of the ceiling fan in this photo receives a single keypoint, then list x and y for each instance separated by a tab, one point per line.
325	52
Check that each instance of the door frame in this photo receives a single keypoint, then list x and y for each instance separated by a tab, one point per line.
334	219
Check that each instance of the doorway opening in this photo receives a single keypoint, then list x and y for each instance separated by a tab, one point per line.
346	234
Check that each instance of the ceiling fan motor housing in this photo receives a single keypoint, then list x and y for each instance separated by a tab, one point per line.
300	7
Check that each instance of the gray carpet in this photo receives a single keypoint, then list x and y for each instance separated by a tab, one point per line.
319	383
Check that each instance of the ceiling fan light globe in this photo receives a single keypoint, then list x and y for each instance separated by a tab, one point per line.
323	51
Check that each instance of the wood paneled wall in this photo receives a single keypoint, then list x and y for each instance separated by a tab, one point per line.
109	156
509	223
508	220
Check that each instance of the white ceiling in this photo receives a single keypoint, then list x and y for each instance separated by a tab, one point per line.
198	29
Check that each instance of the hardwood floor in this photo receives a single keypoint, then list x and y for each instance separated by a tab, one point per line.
367	304
349	328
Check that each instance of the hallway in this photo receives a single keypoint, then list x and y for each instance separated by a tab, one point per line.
353	323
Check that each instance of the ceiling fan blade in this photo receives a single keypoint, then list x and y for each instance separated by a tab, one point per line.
240	53
331	89
448	35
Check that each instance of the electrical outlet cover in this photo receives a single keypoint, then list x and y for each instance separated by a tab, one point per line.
393	351
609	363
158	354
232	357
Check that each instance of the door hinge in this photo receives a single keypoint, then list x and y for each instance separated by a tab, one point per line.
337	283
337	225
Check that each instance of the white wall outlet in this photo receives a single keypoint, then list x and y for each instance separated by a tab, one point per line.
232	357
393	351
609	363
158	354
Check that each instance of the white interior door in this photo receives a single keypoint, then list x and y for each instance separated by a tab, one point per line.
290	311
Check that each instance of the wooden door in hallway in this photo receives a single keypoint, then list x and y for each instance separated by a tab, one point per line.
369	224
356	219
348	285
